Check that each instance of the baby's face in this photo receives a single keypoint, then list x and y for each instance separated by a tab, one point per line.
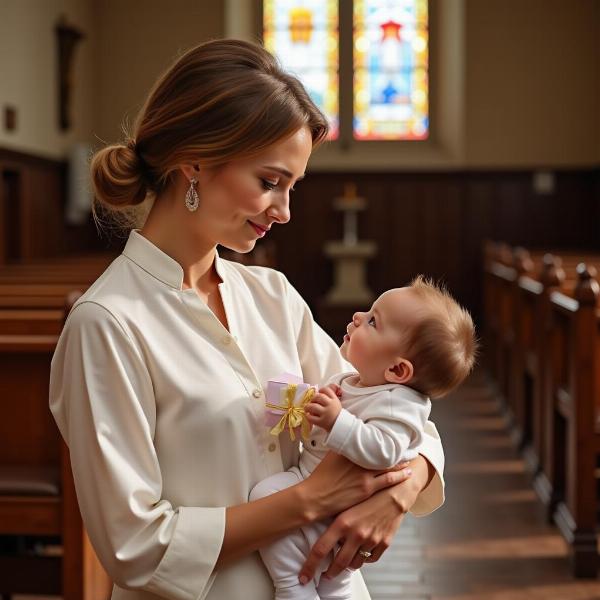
374	341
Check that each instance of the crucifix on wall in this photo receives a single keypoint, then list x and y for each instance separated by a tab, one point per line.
67	37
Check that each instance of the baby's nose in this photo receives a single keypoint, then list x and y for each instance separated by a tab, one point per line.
356	319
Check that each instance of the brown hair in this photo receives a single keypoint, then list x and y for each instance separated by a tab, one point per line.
222	100
442	345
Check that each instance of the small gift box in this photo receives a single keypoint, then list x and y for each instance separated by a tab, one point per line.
286	398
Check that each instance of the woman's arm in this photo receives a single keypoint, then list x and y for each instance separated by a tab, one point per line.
370	525
335	483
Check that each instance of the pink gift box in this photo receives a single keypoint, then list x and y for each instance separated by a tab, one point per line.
277	395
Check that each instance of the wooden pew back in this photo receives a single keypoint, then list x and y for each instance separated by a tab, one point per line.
574	395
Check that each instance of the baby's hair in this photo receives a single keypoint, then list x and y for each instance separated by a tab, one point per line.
442	346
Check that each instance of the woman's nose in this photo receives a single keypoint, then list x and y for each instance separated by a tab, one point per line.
280	211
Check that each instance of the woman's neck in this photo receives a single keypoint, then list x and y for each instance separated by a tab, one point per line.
168	229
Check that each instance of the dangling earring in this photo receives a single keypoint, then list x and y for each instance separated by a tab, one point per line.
191	198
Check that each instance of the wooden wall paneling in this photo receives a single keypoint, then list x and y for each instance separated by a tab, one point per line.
435	223
508	209
424	222
3	218
34	196
42	211
577	211
401	211
457	274
442	207
478	225
27	190
378	224
10	218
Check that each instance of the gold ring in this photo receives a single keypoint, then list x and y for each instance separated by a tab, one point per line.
365	553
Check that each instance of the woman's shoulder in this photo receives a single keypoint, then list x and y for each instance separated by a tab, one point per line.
266	278
108	296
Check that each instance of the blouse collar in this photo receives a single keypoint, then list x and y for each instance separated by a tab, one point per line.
154	261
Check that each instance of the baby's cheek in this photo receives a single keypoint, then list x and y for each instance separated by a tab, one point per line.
360	349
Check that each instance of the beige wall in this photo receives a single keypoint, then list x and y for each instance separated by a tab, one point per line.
518	84
28	74
532	95
127	44
530	82
138	40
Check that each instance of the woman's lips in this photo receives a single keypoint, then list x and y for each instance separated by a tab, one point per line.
346	338
261	231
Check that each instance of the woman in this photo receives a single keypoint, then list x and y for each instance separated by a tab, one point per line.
157	380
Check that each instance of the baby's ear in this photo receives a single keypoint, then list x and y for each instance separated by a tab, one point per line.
400	372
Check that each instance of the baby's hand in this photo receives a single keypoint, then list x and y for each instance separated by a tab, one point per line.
324	407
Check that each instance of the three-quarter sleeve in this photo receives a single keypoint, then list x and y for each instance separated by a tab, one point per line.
321	359
102	397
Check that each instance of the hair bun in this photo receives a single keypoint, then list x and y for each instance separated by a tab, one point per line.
118	176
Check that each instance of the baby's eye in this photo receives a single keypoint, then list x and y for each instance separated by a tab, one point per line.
268	185
371	321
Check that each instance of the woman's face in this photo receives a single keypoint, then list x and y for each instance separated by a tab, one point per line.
240	201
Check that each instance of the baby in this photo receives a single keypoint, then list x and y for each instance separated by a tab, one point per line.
415	343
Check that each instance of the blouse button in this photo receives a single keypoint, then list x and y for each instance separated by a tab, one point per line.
226	340
272	447
257	393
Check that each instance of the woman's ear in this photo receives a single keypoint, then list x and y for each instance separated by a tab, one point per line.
190	171
400	372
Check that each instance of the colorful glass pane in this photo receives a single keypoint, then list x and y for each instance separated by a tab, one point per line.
391	70
303	34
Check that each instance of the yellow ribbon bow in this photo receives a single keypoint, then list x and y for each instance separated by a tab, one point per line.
293	415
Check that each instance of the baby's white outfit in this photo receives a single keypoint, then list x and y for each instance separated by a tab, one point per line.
378	427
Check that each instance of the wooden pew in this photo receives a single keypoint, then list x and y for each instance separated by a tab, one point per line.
496	268
30	321
573	433
38	295
521	284
529	367
37	495
504	269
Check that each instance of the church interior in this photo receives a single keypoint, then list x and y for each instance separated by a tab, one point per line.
477	164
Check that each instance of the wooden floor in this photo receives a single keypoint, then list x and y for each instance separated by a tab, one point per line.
489	541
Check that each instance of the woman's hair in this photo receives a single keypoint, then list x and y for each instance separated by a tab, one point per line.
220	101
442	345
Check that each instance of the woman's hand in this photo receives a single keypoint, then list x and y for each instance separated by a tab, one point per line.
337	483
369	526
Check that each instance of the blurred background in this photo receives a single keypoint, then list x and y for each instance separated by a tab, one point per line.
453	122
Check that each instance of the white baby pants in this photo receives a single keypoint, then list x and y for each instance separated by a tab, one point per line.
284	558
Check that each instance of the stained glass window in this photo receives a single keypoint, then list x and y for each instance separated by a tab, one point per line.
303	34
391	70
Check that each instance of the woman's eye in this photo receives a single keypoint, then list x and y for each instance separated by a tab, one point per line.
372	321
268	185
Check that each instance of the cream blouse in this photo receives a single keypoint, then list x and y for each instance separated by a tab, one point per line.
162	409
